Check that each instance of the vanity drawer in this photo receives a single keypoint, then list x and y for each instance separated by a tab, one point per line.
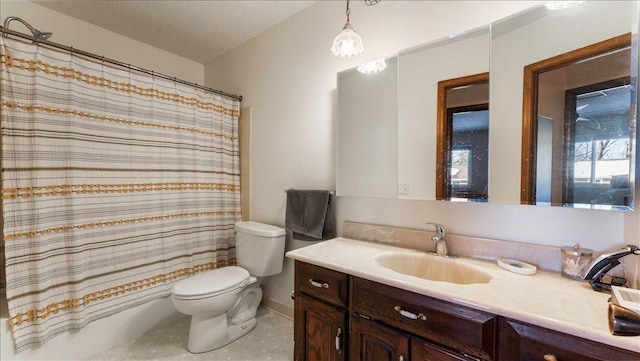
523	341
321	283
459	328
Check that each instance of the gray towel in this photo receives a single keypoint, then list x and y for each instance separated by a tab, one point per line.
310	214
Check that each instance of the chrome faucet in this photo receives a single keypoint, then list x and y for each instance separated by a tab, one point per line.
440	239
604	264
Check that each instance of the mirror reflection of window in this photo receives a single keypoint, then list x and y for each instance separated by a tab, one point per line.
468	160
460	167
579	135
600	156
462	164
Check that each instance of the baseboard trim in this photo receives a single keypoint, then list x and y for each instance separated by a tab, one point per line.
277	307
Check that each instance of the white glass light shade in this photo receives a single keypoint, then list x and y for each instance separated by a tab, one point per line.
373	67
348	43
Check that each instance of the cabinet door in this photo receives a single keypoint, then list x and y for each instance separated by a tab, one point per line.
320	331
369	341
522	341
424	351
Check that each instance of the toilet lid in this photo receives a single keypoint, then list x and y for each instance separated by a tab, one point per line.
220	280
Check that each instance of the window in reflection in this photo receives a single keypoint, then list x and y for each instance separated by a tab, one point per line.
468	162
599	161
460	158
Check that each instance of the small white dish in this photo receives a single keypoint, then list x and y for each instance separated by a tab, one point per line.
516	266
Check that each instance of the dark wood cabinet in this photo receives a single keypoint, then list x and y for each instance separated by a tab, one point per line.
321	320
370	341
343	317
320	331
521	341
321	283
461	329
424	351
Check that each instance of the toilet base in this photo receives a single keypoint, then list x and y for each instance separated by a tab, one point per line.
210	334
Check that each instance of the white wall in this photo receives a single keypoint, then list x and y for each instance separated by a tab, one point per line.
134	322
82	35
288	76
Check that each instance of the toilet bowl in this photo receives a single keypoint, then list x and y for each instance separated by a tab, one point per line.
223	302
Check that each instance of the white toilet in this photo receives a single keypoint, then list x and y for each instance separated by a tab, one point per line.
223	302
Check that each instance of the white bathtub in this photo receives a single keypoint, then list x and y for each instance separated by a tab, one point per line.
96	336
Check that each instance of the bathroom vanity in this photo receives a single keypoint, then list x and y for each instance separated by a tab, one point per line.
350	305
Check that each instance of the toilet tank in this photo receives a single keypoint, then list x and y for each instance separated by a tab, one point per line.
260	248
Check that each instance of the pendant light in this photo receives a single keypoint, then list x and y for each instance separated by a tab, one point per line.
348	43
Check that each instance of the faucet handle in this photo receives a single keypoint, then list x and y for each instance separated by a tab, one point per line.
440	230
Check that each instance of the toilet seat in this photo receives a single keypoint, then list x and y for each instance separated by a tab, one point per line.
212	283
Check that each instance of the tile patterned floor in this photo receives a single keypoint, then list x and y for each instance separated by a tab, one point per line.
272	339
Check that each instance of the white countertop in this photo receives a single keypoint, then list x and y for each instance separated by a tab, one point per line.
545	299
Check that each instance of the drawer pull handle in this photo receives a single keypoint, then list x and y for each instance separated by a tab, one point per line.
318	284
401	358
471	357
550	358
410	315
338	339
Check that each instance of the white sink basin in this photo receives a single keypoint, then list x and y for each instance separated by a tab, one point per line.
433	268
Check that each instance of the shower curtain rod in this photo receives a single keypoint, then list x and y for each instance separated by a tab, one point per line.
4	32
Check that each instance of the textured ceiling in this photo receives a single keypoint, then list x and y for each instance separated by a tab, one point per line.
197	30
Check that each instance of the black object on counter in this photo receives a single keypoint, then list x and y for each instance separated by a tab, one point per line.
623	321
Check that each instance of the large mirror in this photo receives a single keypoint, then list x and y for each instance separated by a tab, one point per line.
551	128
421	70
368	131
577	108
372	163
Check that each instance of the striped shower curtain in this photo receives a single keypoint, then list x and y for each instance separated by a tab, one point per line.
114	186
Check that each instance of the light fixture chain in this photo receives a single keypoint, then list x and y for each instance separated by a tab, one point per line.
348	11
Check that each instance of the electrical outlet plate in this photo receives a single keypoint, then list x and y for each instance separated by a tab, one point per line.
403	189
